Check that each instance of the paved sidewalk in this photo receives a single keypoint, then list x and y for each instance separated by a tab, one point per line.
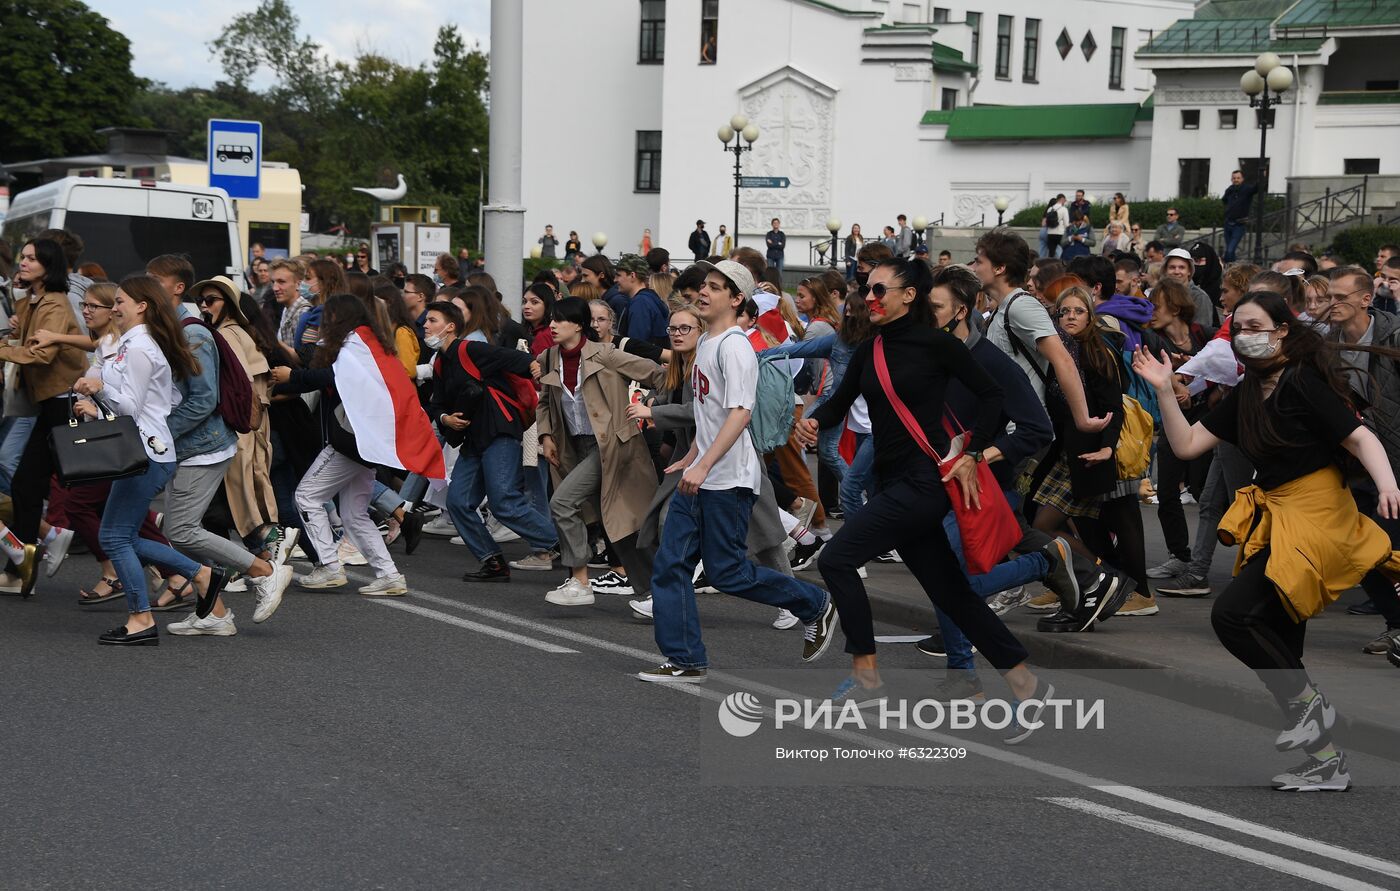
1179	643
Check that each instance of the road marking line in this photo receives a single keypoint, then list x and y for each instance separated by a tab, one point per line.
1218	846
1045	768
474	626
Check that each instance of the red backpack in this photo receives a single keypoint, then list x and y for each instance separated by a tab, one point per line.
522	398
235	390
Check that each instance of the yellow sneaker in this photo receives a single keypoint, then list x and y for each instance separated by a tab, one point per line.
1044	603
1137	605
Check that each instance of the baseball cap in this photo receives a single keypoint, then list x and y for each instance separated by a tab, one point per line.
1180	253
633	263
737	273
699	222
921	249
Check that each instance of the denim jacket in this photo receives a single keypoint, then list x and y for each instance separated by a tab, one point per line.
196	424
830	347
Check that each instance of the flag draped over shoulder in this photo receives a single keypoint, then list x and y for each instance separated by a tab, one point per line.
382	406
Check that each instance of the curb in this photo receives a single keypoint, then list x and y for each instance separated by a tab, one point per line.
1066	652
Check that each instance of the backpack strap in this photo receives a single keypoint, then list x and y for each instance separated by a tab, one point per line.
1017	345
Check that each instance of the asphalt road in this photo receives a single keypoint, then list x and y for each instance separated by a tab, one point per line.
476	736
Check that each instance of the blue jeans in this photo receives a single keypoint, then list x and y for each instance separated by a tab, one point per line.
829	452
120	534
1019	570
496	475
714	526
537	486
859	477
14	436
1234	233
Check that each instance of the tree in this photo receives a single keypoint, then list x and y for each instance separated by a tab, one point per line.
66	73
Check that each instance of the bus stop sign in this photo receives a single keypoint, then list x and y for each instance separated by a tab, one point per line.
235	157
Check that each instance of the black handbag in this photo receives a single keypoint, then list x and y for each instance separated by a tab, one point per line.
105	448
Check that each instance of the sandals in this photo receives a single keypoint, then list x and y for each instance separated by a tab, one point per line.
87	598
182	599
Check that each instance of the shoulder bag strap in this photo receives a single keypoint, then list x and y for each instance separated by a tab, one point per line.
906	417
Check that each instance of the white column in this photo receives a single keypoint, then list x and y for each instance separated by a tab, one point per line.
505	220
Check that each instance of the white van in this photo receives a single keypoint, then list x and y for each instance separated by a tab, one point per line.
124	223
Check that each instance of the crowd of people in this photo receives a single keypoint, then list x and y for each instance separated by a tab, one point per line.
644	431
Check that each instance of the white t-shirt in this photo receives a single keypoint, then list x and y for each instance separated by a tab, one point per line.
725	376
1029	321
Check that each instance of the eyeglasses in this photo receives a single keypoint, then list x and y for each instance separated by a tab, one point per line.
93	307
1343	297
679	329
1073	311
207	300
1236	330
363	256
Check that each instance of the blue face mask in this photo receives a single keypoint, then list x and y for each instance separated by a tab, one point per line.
304	290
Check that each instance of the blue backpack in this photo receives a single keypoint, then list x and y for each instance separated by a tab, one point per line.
770	425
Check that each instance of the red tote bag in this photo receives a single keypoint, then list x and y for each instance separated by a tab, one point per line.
989	533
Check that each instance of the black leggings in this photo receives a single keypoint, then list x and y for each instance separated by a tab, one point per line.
1171	473
907	514
30	485
1251	622
1119	517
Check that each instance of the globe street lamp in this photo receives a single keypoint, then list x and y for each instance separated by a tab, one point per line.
1268	74
920	229
600	240
833	226
1001	203
744	134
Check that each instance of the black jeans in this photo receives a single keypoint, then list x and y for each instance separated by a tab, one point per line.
1120	517
1380	589
907	514
1171	473
36	467
1249	619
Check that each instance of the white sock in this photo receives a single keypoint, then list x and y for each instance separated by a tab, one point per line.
804	536
53	533
12	546
824	533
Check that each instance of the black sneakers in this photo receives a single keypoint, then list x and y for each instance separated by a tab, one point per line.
1307	722
805	556
412	530
1060	577
817	634
932	645
493	569
1018	733
1393	654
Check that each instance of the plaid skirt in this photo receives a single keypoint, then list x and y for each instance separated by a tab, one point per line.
1055	491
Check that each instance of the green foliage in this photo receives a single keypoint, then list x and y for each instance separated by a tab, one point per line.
1195	213
1359	244
66	73
534	265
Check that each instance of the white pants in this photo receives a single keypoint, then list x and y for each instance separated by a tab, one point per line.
333	474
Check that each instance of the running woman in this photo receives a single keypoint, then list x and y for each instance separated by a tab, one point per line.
1302	540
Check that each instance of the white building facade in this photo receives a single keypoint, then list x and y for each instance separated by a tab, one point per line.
873	108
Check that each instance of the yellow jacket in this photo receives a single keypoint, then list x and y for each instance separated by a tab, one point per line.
1321	545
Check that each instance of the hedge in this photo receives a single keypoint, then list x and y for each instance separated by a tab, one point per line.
1359	244
1194	213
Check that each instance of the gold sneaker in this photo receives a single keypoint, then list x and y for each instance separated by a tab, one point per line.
1045	602
29	569
1137	605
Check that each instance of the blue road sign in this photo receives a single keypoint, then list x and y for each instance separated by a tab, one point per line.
235	157
764	182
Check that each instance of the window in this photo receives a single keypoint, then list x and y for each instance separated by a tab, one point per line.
653	33
1195	178
1190	119
1031	43
1229	119
1382	85
940	15
1004	47
1115	58
1088	45
974	21
1360	166
709	32
1249	168
1064	43
648	161
950	99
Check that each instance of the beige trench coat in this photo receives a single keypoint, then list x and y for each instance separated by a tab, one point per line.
629	477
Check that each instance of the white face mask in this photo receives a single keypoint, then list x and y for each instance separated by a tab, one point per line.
433	341
1256	345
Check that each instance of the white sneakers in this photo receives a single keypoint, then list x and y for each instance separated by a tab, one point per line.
641	608
499	533
270	590
440	525
56	551
321	578
541	562
611	582
571	593
386	586
350	555
785	620
211	625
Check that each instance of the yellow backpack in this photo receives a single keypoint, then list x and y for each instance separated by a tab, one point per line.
1134	451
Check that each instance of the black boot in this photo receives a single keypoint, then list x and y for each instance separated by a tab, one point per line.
493	569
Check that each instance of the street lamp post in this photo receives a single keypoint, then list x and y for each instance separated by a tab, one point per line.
1001	203
920	230
480	197
600	241
1268	74
833	226
744	134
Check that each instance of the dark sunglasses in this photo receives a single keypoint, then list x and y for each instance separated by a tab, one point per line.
207	300
879	290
